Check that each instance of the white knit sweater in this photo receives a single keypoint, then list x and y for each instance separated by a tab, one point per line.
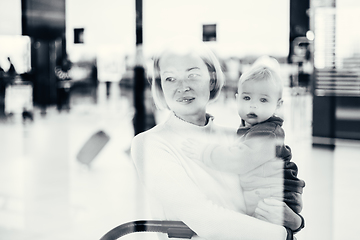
210	202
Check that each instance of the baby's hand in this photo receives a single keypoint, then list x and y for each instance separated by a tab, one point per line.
193	149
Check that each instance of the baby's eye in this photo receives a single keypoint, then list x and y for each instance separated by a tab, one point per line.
193	75
263	100
170	79
246	98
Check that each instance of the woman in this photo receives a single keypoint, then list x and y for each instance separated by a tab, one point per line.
187	76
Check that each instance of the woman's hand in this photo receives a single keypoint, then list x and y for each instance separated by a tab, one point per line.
275	211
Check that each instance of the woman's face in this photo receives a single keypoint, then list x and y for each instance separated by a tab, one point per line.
185	81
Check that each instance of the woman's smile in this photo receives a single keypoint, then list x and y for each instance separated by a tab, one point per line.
185	99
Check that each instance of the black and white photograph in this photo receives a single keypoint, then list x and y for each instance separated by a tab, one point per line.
179	119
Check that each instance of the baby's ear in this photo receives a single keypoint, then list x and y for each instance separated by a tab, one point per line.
279	110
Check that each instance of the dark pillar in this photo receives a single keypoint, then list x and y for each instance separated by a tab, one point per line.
44	30
139	75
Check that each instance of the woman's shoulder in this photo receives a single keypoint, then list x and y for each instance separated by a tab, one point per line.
152	135
146	141
149	133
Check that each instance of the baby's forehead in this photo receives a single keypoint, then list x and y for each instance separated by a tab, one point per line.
259	87
257	82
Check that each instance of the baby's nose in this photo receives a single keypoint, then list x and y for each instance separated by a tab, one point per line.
253	105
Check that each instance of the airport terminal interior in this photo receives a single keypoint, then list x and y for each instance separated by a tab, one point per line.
48	115
47	194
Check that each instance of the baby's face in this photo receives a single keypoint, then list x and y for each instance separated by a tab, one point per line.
257	101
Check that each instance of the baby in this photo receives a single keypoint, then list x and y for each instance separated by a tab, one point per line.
260	139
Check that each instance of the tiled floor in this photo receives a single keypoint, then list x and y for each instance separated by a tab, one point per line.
46	194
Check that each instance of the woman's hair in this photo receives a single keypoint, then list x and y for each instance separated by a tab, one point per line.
184	45
264	68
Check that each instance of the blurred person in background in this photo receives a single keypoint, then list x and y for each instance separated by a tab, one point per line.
2	71
62	69
2	92
94	80
6	77
260	139
305	69
11	71
187	77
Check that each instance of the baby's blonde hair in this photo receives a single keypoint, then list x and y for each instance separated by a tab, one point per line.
264	68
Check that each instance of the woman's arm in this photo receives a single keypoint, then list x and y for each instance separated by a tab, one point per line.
170	184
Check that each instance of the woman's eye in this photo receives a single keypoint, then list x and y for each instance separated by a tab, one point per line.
246	98
193	75
170	79
263	100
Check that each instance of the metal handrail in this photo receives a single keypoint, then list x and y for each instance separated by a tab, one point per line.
174	229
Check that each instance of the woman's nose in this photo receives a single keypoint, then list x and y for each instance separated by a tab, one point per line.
183	89
183	86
